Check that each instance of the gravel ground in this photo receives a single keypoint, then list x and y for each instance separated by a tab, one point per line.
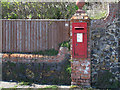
4	84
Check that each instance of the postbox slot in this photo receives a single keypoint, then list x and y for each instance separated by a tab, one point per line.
79	28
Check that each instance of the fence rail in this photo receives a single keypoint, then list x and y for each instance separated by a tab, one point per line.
33	35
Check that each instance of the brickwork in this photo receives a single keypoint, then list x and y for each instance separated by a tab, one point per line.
35	58
80	74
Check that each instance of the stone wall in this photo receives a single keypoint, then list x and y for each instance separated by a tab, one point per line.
37	68
104	50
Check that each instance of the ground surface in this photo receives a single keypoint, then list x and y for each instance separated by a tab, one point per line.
4	84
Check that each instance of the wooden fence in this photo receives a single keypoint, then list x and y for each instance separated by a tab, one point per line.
33	35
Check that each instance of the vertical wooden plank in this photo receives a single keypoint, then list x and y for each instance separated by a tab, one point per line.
56	40
43	35
26	37
3	35
59	32
58	35
50	35
23	35
61	39
40	35
14	35
55	29
18	36
29	34
15	38
6	35
32	36
35	36
11	39
46	34
10	36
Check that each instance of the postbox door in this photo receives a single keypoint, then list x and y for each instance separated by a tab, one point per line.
80	42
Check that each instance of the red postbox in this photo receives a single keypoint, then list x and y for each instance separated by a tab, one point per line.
79	40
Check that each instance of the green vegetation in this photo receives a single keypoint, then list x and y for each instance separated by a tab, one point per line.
48	10
38	10
99	15
71	60
65	44
73	86
24	83
52	87
68	69
107	80
49	52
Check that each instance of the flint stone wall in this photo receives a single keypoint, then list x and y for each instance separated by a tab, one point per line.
105	37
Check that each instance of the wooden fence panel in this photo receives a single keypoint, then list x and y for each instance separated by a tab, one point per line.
33	35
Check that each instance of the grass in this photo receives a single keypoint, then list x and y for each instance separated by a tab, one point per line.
52	87
24	83
73	86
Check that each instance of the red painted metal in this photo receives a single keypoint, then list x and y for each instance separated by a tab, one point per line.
79	47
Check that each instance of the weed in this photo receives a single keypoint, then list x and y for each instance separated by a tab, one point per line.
71	60
65	44
68	69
